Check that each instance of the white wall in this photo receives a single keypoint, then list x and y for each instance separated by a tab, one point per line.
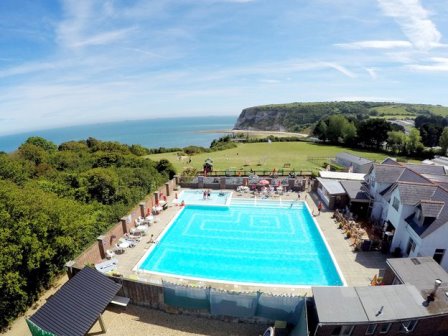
436	240
401	236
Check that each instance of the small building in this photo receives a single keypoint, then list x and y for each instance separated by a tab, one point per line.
76	306
358	196
355	163
415	304
331	193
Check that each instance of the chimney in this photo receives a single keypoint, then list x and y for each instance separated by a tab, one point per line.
437	284
432	295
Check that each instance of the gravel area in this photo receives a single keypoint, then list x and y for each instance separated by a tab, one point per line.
135	320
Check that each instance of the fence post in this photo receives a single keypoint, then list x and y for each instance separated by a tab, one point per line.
167	188
100	241
200	182
156	197
124	225
222	183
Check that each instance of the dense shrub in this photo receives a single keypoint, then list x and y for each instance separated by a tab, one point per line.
54	201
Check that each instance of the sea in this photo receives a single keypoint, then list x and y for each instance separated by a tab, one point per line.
150	133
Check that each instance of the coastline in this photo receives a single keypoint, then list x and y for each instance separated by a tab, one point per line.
256	133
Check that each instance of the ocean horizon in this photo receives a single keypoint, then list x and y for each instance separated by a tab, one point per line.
151	133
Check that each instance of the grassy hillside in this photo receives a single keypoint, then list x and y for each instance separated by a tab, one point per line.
296	117
409	111
265	156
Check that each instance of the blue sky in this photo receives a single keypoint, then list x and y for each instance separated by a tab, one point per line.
76	62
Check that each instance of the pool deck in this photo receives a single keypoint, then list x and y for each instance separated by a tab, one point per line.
358	268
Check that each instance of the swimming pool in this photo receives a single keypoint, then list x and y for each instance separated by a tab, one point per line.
244	244
197	197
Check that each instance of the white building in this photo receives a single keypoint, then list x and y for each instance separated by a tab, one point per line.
412	202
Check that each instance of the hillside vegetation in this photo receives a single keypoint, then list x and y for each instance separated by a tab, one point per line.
305	156
54	201
296	117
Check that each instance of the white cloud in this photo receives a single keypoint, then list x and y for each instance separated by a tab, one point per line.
373	44
413	20
439	64
343	70
84	25
372	73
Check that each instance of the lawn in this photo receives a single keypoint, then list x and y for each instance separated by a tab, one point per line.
266	156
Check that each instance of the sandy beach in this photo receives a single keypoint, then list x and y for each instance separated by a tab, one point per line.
257	133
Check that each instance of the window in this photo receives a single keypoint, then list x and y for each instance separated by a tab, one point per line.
384	328
438	255
342	331
371	329
408	326
411	246
396	203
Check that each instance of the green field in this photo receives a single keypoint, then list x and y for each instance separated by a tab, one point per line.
265	156
409	111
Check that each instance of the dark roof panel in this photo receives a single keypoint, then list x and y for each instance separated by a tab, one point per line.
390	161
431	208
353	158
411	176
426	169
411	194
75	307
387	173
355	190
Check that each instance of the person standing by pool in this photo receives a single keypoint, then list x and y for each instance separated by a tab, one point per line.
319	207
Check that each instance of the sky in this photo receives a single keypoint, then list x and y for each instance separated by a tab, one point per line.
75	62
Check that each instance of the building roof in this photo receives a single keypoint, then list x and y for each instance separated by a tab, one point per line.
419	272
368	304
413	193
431	208
439	195
354	190
332	186
353	158
422	272
390	161
399	302
426	169
387	173
350	307
74	309
394	173
341	175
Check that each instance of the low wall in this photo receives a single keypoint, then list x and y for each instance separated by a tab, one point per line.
95	253
254	307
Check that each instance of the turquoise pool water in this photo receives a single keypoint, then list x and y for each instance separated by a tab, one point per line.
246	244
197	197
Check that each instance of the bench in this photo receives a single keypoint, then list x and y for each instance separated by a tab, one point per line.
120	301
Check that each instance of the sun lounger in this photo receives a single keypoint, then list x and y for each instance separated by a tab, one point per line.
110	254
120	301
107	266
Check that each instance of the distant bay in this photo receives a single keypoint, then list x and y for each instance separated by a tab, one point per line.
151	133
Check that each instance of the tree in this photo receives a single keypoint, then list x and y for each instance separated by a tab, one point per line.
102	184
321	130
443	140
46	145
349	133
414	144
166	167
373	132
337	125
396	141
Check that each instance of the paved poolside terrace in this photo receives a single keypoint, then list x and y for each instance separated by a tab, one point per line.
358	268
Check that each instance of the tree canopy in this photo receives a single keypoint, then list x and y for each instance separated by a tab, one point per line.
55	200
